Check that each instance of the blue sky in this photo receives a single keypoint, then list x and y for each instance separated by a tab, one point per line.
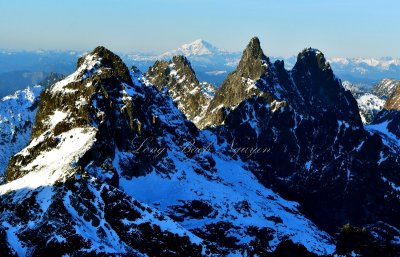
348	28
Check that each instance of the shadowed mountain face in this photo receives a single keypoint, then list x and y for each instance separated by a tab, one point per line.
318	151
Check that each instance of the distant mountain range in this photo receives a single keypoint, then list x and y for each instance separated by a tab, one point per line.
213	64
19	69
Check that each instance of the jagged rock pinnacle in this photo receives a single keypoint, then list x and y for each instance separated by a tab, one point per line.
318	86
312	57
178	76
254	50
253	62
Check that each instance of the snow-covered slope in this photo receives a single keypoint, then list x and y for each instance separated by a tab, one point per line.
228	198
388	120
17	114
369	105
114	168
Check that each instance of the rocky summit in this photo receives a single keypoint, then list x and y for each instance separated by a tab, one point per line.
276	163
179	79
239	84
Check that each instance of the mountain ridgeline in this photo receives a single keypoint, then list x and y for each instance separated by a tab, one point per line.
272	163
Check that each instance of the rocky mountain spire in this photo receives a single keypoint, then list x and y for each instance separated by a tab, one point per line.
179	78
241	84
319	88
253	62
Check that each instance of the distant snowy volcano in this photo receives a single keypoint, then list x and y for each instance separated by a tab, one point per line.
198	47
211	64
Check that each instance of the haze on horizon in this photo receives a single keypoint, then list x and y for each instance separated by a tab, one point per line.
337	27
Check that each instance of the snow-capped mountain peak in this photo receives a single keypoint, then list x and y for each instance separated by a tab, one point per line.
198	47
